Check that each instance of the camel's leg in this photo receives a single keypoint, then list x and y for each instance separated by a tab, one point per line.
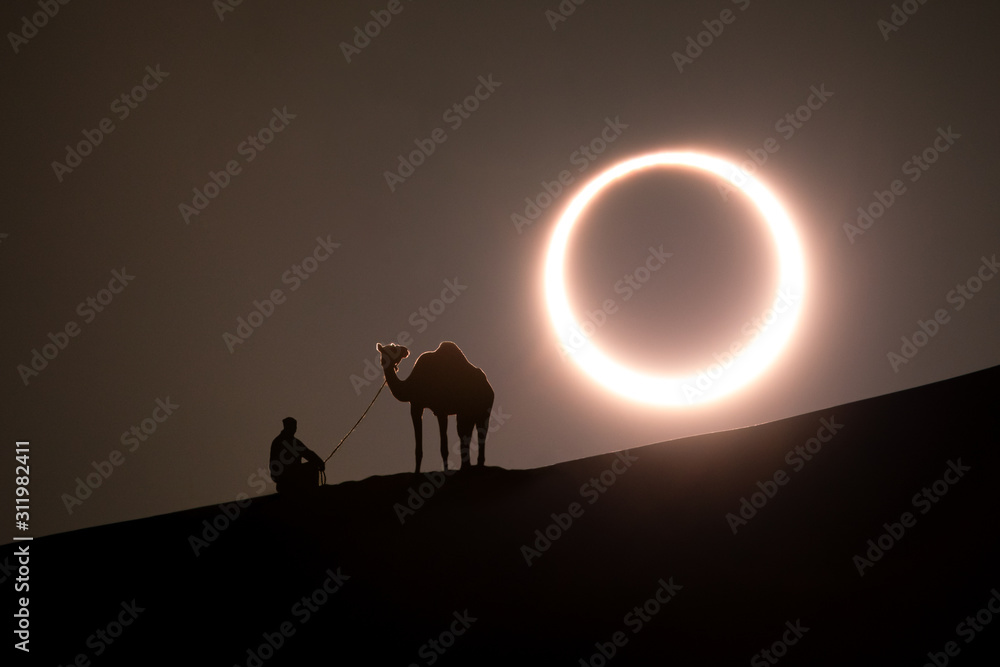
465	425
417	415
443	425
482	426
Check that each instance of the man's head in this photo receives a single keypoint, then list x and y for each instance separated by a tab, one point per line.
289	424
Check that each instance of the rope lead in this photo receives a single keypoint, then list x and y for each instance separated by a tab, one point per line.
323	474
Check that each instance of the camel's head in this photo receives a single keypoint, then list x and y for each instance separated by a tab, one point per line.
392	354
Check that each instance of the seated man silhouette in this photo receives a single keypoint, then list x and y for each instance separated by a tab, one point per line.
288	470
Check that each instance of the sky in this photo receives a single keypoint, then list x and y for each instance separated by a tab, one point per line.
215	211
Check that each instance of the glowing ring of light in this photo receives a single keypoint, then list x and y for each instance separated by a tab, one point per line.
704	385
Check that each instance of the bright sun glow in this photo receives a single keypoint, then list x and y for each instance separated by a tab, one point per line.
729	369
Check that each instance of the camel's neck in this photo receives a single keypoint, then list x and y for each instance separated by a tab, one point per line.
396	386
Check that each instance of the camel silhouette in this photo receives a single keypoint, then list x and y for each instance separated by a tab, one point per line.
445	382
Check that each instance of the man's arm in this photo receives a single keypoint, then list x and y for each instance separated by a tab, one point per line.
312	456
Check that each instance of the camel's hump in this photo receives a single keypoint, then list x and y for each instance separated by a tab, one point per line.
448	348
447	356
